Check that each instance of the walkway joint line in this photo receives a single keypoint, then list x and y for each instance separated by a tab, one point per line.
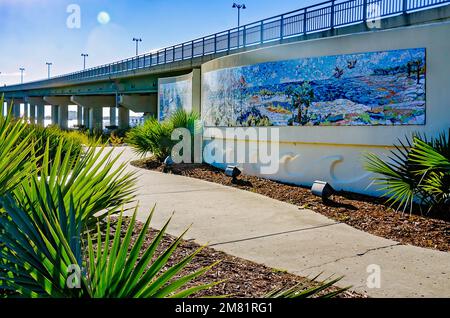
273	234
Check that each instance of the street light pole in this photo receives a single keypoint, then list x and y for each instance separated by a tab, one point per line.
84	59
48	67
137	40
21	74
239	7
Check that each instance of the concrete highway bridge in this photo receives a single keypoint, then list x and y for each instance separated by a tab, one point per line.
132	84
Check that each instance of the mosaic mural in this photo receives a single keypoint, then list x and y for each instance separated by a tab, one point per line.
376	88
174	96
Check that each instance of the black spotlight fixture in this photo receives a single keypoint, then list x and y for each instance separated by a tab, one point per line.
168	163
322	189
232	172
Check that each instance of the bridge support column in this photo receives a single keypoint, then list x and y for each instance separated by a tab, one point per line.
32	113
16	110
60	110
86	117
40	116
37	107
26	110
96	119
55	115
79	115
124	118
95	105
112	116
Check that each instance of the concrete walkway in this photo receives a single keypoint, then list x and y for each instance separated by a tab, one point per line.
283	236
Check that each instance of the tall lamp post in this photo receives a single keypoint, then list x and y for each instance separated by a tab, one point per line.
49	64
84	55
239	7
137	40
21	74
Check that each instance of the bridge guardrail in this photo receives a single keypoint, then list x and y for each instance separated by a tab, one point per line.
319	17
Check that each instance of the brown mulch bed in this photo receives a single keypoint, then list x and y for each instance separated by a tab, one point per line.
362	212
241	278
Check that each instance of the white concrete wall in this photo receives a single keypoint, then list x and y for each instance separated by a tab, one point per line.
334	153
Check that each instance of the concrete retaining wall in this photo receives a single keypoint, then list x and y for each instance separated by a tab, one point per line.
334	154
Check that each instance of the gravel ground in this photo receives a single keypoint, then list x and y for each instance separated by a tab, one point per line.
362	212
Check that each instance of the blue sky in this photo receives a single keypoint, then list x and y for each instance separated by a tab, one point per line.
33	32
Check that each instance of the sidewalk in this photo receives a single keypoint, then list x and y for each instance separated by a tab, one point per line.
285	237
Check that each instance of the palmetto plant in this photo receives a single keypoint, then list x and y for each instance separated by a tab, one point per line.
15	152
304	290
416	172
47	254
92	179
156	137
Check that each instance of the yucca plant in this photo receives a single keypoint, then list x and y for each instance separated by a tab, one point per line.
16	148
47	254
416	172
304	289
92	178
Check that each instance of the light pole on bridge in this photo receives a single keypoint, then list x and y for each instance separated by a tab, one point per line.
239	7
137	40
21	74
84	55
49	64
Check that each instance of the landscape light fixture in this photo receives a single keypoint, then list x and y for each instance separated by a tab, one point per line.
137	40
322	189
84	55
21	74
168	163
49	64
233	172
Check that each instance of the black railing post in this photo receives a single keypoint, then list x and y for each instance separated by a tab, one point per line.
332	15
304	21
229	41
364	10
182	51
405	6
192	52
282	27
262	32
173	58
244	36
165	55
203	46
215	43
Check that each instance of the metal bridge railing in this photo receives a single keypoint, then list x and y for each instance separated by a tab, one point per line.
319	17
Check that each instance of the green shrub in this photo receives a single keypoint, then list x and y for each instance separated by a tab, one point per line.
16	152
46	250
417	171
52	135
155	137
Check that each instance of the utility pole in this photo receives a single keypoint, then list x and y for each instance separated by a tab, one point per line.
137	40
49	64
84	55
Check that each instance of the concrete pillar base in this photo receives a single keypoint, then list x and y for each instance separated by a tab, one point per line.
124	118
55	115
40	115
96	119
112	116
